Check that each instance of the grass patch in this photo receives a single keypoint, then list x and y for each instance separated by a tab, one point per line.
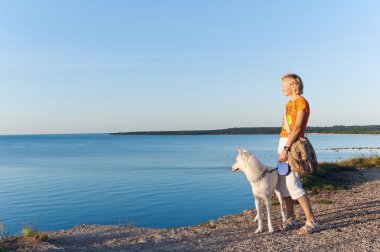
2	247
33	232
315	184
275	202
362	162
337	175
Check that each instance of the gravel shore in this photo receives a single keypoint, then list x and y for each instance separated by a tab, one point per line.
350	221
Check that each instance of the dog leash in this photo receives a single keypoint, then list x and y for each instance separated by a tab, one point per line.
263	175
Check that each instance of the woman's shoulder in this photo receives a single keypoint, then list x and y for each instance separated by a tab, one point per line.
302	99
301	103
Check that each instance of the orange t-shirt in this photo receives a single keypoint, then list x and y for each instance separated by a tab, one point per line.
292	108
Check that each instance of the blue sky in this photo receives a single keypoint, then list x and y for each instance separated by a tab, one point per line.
69	66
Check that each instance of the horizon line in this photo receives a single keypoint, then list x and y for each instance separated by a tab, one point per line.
156	131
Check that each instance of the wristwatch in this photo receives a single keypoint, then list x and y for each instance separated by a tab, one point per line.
286	148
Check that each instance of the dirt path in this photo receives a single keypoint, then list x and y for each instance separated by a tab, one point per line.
350	221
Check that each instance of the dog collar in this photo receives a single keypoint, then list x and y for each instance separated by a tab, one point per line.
263	175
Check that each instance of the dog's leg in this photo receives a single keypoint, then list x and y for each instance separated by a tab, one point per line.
259	216
279	197
268	204
256	218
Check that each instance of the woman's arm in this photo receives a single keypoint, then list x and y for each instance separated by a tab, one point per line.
293	136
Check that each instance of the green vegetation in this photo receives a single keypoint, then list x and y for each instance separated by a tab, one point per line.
362	162
231	131
29	231
340	129
275	202
338	175
370	129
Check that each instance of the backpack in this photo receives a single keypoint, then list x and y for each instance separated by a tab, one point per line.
302	157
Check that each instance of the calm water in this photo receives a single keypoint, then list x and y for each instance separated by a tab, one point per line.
59	181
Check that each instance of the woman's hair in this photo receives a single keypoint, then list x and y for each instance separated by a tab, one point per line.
295	81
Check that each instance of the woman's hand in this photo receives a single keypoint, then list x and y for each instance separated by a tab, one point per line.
283	156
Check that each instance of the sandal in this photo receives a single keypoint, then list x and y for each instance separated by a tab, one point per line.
289	224
309	228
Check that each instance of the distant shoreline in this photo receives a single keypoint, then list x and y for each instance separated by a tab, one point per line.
348	130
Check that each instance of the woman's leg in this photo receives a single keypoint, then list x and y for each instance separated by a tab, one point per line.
293	182
311	224
290	222
289	208
282	185
306	206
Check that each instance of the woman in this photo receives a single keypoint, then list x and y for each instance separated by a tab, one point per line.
297	115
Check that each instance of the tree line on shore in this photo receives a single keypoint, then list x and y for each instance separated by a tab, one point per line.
338	129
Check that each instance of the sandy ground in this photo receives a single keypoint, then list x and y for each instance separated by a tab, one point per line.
350	221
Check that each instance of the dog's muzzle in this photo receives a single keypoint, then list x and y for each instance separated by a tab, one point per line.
235	169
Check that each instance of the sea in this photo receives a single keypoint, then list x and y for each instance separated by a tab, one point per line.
55	182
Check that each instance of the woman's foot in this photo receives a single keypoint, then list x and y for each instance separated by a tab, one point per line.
309	228
289	224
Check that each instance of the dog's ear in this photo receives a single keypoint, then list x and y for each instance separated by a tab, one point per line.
245	150
239	150
243	153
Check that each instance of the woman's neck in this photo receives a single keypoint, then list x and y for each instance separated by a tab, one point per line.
294	97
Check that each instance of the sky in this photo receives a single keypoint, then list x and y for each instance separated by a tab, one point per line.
91	66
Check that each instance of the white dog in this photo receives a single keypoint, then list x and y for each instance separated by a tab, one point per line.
264	181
